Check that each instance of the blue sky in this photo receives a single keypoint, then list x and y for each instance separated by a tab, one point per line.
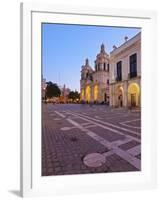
65	48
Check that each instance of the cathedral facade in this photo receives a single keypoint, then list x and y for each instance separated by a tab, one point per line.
94	84
116	79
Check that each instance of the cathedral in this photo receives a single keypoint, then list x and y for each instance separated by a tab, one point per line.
94	84
116	79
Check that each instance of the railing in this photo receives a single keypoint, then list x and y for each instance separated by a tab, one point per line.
132	75
118	79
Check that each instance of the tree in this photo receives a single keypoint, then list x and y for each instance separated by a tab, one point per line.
74	95
52	90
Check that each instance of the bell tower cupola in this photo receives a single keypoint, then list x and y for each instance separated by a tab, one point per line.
102	60
102	48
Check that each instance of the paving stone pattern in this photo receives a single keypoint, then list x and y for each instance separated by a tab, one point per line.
63	150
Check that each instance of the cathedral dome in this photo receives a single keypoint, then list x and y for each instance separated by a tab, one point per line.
87	67
86	72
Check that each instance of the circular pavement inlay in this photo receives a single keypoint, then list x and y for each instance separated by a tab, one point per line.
65	128
97	117
94	160
57	119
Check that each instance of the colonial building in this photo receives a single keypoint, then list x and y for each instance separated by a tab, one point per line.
94	84
64	94
116	78
125	73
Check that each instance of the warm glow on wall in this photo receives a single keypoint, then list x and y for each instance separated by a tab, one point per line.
133	94
82	94
88	90
120	91
95	92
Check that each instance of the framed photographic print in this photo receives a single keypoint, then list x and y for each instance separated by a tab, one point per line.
87	117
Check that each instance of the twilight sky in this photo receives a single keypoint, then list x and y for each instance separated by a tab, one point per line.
65	48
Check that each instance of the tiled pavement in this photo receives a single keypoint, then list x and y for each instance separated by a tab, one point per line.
70	132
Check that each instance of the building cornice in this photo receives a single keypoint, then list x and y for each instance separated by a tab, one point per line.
127	45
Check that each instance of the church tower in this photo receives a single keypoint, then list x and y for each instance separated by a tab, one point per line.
86	81
101	76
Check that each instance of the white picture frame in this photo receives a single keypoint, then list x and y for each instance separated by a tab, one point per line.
32	183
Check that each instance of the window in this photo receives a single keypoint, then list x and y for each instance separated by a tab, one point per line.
107	81
133	65
108	67
119	71
91	77
98	67
104	66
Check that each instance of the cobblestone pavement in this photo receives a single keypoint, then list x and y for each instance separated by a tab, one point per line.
70	132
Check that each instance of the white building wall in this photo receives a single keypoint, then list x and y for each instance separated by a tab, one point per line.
112	72
125	58
123	54
139	62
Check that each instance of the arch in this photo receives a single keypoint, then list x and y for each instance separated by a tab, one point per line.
119	96
95	92
82	94
88	93
133	95
105	97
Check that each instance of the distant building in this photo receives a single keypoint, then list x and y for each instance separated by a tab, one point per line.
64	94
116	79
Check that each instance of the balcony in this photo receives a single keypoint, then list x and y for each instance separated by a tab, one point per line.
117	79
132	75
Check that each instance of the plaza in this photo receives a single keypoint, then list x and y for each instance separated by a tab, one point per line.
94	126
84	138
